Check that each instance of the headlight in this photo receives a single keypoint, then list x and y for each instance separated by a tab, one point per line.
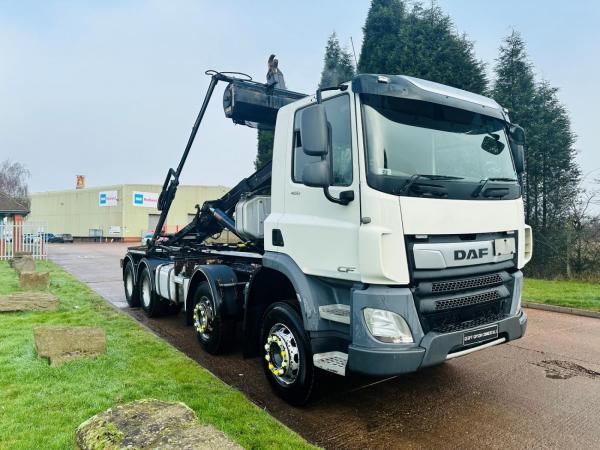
387	326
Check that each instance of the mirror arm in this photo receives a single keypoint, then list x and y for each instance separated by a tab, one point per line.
345	197
341	87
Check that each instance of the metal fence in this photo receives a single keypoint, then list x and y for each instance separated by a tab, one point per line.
28	237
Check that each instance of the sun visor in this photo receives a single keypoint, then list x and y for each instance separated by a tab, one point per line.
427	91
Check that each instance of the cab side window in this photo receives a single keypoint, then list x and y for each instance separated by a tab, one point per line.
338	117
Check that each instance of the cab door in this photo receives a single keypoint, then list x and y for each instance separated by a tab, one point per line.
322	236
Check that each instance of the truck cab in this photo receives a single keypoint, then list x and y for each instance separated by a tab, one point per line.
387	234
424	262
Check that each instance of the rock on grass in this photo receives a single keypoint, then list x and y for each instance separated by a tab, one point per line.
23	263
28	301
60	343
149	424
34	280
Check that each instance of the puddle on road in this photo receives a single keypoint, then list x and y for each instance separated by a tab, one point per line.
563	370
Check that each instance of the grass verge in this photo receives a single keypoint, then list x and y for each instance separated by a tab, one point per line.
40	406
572	294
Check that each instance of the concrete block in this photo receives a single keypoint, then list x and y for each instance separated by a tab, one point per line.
62	343
150	424
23	263
28	301
34	280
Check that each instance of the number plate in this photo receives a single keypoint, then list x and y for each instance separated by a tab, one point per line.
480	335
504	246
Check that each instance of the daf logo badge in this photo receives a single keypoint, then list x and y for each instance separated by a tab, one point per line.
460	255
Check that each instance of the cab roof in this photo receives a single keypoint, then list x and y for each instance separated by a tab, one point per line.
417	89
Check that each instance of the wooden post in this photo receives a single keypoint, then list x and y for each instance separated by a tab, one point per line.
2	241
17	234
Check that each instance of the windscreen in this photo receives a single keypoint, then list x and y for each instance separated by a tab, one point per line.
405	138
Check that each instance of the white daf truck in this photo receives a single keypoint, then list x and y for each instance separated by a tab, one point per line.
386	236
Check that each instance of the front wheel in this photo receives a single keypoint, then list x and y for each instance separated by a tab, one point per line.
287	355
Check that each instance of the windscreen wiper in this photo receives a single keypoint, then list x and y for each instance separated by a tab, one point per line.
416	177
501	192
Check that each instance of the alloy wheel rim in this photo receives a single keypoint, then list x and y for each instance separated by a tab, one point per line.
204	317
282	354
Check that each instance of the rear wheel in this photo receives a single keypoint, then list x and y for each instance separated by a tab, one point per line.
287	356
151	302
214	331
132	292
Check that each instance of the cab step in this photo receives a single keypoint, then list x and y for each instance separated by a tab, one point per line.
334	362
336	313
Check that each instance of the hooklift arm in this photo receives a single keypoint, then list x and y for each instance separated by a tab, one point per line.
245	102
172	179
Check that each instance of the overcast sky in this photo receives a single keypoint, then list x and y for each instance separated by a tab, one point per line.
110	89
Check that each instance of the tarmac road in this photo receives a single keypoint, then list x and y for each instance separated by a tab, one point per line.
542	391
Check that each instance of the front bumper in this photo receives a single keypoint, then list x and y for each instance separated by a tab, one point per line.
433	349
369	356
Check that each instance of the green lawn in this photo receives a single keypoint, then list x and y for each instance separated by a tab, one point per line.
572	294
40	406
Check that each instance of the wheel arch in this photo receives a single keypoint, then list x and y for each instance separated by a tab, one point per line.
140	268
151	264
129	259
222	281
265	287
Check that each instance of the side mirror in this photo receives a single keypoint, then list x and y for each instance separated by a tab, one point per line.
517	147
518	152
517	134
317	174
314	131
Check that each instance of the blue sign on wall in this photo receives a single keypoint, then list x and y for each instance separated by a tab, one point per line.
107	198
138	199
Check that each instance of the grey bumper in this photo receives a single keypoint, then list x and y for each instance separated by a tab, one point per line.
369	356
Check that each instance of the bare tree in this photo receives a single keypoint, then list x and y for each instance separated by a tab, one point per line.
13	180
584	239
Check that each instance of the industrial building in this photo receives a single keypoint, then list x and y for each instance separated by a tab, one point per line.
122	212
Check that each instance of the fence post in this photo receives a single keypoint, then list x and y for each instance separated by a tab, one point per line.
18	234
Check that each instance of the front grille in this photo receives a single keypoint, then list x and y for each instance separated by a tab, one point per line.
440	287
484	320
442	305
456	304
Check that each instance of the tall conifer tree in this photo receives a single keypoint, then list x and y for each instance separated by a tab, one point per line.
264	153
337	64
514	89
421	42
552	175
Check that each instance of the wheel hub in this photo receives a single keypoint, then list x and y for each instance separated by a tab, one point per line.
203	316
282	354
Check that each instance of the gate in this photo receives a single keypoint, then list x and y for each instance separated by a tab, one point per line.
28	237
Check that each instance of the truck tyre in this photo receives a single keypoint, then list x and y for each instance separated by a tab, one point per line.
132	291
151	302
287	355
214	332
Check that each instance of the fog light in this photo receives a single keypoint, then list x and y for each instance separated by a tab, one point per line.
386	326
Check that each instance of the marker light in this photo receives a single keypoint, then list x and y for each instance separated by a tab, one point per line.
388	327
